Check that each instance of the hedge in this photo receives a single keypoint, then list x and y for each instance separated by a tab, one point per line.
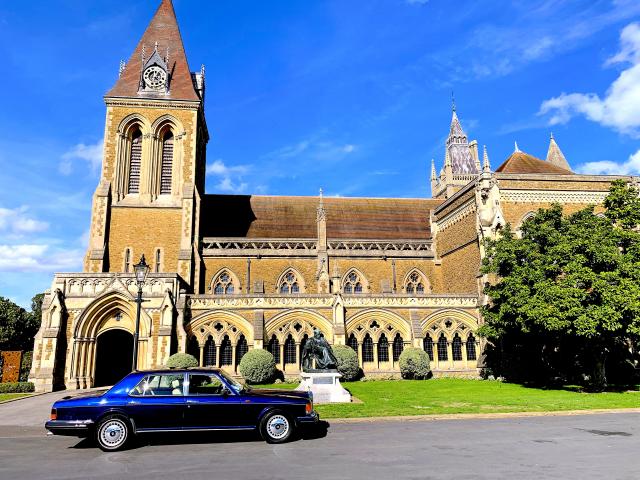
258	366
182	360
414	363
347	362
17	387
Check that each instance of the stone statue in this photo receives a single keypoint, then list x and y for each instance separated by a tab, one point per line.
317	348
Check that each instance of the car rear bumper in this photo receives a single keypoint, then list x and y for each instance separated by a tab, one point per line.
73	428
311	419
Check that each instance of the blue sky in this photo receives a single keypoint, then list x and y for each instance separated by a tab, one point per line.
353	97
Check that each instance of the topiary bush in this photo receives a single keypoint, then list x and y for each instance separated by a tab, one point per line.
182	360
414	363
258	366
17	387
347	362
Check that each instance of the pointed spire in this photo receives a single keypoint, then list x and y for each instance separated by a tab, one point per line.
433	169
486	166
555	155
164	32
321	214
457	147
516	148
453	102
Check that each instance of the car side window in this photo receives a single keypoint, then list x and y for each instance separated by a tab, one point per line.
205	384
151	385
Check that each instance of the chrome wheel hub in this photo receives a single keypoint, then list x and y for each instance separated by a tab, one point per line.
113	433
278	426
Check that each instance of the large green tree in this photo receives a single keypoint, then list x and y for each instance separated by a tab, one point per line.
566	292
17	326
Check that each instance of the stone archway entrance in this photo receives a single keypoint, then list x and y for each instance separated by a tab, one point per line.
114	351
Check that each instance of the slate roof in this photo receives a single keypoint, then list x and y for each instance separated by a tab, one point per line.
253	216
163	29
521	162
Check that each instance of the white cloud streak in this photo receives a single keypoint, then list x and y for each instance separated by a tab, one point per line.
619	108
608	167
91	154
18	222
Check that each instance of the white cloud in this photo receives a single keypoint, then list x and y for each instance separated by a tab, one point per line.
92	154
230	176
38	258
607	167
217	167
18	222
620	107
227	185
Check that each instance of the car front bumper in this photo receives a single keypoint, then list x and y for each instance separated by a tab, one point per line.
311	419
72	428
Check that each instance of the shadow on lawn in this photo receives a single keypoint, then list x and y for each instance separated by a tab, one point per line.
197	438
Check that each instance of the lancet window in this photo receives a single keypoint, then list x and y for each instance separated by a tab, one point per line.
166	166
367	349
273	347
442	348
135	161
415	283
226	351
289	283
223	284
427	345
352	283
209	354
456	348
471	347
241	349
398	346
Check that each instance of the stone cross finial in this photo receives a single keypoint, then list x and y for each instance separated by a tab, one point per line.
486	167
321	215
517	149
123	65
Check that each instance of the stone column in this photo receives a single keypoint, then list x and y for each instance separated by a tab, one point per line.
202	355
375	356
218	359
450	354
281	346
360	354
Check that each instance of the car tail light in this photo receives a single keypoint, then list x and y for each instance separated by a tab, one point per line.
54	414
308	408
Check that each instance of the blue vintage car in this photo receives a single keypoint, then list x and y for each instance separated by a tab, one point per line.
193	399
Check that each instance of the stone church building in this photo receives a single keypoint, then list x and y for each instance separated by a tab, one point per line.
234	272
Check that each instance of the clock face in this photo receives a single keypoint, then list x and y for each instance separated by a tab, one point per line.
155	78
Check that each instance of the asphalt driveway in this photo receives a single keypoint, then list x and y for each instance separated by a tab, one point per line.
559	447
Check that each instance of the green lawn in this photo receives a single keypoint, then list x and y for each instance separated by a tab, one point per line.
10	396
451	395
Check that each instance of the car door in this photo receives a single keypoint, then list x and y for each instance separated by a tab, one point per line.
158	402
210	404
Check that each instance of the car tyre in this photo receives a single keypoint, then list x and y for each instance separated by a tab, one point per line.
276	427
113	433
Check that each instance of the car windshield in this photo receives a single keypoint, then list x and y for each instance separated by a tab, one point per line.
234	384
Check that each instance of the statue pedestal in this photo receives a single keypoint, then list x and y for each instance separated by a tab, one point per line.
325	387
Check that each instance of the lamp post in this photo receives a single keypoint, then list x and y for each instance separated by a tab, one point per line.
141	269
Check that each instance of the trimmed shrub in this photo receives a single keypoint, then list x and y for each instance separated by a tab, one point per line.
25	366
258	366
414	363
182	360
17	387
347	362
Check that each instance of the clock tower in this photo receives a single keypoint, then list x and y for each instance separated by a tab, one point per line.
153	169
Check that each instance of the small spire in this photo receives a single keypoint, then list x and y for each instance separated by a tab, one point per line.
123	65
486	166
552	136
453	102
321	215
433	169
447	159
155	47
202	71
516	149
555	155
166	58
144	54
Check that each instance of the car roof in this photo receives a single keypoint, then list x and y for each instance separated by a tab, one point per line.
178	370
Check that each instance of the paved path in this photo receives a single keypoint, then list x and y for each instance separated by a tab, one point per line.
582	447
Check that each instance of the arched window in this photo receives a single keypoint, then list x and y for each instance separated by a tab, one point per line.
427	344
353	342
442	348
226	351
456	348
289	351
127	260
367	349
167	163
471	347
289	284
209	353
398	346
158	264
135	160
383	348
352	283
273	347
415	283
241	349
223	284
